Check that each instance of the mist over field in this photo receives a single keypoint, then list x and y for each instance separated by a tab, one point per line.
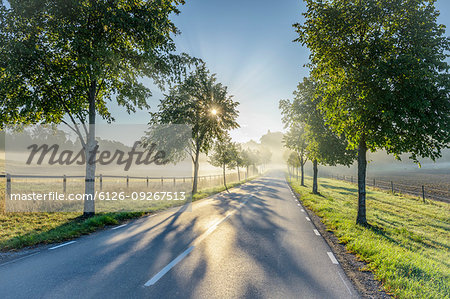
380	165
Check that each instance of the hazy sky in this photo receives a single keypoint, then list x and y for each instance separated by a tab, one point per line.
248	44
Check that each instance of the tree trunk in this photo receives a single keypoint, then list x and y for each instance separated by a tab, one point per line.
239	174
246	175
302	171
224	178
314	189
196	167
90	153
362	167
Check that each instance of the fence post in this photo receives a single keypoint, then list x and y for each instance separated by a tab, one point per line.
128	181
174	183
8	186
374	182
162	181
101	182
64	183
392	186
423	193
352	179
147	182
184	180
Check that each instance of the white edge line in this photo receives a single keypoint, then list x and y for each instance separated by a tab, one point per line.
303	210
120	226
307	218
167	268
316	232
61	245
345	283
332	258
298	204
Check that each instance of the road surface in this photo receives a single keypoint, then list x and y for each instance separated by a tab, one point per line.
255	242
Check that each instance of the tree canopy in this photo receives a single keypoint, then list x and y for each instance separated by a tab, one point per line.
309	134
204	104
382	77
381	71
55	56
224	155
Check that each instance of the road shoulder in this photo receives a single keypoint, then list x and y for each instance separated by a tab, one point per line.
364	281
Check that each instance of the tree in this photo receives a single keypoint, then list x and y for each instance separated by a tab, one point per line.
295	139
381	71
246	158
239	159
322	144
293	161
205	105
224	156
63	61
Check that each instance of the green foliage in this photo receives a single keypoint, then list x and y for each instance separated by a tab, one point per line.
295	138
202	103
381	73
57	58
224	153
309	134
192	102
249	157
293	160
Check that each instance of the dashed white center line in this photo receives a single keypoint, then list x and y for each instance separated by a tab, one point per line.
332	258
194	243
167	268
61	245
120	226
316	232
307	218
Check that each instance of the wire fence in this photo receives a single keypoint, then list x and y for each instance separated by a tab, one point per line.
422	191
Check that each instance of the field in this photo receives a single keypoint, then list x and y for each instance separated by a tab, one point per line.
436	182
407	242
19	230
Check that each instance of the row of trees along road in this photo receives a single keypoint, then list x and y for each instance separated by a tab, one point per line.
63	62
228	154
381	77
309	137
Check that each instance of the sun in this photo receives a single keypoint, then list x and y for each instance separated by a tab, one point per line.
214	112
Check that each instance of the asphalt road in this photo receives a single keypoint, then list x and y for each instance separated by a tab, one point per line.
255	242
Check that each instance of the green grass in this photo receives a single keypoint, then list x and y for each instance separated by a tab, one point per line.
18	230
406	245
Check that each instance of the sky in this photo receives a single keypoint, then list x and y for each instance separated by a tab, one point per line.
249	45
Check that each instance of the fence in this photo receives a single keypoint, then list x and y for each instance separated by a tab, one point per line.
421	190
71	181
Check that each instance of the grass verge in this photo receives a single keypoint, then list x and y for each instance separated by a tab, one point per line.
19	230
406	244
